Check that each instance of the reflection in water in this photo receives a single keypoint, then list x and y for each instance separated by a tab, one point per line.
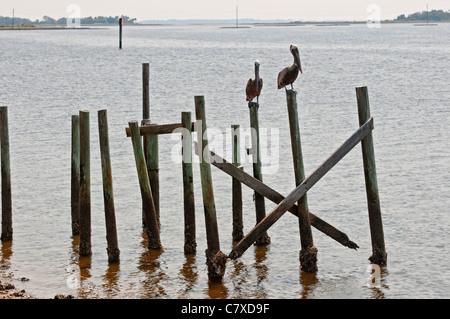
189	275
79	271
261	269
217	290
150	265
111	280
308	281
243	277
5	263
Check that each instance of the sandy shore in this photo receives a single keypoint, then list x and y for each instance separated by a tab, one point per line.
9	291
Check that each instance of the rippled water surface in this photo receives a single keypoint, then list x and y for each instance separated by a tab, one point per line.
46	76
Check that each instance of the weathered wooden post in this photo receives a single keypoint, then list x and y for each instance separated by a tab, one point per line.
264	239
190	245
308	252
85	185
120	32
151	222
75	175
145	93
7	228
151	147
151	142
238	224
108	194
215	259
379	255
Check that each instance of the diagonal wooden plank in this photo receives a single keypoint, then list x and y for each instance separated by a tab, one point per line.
276	197
301	189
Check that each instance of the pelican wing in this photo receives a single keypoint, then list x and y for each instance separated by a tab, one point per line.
249	90
282	77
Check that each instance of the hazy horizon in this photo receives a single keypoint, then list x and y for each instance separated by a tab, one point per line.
321	10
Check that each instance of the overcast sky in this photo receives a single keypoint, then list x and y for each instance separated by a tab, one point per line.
220	9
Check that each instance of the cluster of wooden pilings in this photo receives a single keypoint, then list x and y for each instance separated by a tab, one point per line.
145	144
295	202
81	184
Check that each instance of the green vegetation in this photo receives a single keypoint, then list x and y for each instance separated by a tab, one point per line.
433	15
46	20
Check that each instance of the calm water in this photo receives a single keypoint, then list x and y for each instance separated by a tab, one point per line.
46	76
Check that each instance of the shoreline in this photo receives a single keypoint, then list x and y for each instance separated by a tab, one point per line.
242	25
20	28
9	291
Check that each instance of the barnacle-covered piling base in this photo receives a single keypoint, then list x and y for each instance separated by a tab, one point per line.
216	265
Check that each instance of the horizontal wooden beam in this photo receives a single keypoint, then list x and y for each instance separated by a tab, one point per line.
301	190
158	129
276	197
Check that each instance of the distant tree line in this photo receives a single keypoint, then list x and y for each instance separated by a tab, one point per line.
62	21
433	15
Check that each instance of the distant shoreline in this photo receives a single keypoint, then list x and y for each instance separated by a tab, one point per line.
19	28
241	25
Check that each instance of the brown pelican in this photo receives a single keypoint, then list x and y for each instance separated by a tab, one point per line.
289	74
254	87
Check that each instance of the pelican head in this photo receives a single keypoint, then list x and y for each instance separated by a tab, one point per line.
256	69
256	72
294	50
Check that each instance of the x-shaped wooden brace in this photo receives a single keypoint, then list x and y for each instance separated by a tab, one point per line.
289	203
284	203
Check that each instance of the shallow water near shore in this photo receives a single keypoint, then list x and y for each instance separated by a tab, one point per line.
49	75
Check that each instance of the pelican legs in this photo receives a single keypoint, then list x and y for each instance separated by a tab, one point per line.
292	88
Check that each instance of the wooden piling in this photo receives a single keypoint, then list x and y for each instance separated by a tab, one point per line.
7	228
120	32
85	185
145	92
379	255
151	143
75	175
260	207
108	194
190	245
238	224
308	253
215	259
152	227
151	149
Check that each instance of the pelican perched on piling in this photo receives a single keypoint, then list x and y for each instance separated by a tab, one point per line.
289	74
254	87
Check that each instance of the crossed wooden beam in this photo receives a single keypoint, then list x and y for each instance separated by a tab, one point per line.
289	203
284	203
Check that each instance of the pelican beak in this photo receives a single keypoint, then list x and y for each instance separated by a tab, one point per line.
296	54
257	72
297	60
